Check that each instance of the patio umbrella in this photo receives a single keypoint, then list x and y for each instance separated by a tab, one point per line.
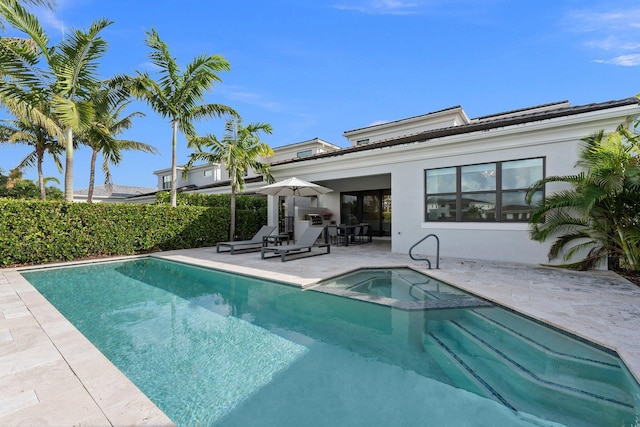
293	187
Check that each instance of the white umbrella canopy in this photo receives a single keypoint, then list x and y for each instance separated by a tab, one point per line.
293	187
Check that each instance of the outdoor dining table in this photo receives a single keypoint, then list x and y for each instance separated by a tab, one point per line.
348	232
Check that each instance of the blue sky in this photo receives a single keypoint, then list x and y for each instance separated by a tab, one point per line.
319	68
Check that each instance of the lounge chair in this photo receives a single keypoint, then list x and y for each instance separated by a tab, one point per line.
304	244
247	245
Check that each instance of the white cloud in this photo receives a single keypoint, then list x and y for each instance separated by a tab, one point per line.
589	20
631	60
614	31
381	7
50	20
613	43
238	94
377	122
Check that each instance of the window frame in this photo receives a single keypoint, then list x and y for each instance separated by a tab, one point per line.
460	195
305	153
166	182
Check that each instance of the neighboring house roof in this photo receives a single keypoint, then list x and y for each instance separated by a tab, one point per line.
484	123
225	183
115	191
191	187
312	141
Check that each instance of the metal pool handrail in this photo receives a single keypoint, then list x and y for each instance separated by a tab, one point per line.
425	259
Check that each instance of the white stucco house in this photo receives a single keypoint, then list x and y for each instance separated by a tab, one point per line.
443	173
213	178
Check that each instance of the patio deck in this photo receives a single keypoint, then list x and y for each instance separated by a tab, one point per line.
52	375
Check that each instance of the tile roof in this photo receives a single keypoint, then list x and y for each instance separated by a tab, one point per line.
120	191
455	107
481	124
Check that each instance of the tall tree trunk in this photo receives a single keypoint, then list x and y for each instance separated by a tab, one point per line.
68	172
43	190
174	165
232	220
92	175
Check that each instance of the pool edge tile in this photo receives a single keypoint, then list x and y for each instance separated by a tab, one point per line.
74	349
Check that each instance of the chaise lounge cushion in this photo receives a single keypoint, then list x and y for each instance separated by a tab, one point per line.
253	244
304	244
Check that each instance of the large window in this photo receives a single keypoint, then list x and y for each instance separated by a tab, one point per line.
482	192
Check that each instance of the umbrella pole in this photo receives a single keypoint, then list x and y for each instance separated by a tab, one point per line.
293	225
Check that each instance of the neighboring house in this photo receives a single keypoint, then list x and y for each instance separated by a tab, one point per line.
213	178
111	193
443	173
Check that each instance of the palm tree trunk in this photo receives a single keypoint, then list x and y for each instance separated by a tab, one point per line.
629	252
174	166
43	191
92	175
232	220
68	172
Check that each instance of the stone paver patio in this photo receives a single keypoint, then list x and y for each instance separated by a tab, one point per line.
51	375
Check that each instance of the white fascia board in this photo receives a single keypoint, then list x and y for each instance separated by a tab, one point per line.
167	170
425	119
310	143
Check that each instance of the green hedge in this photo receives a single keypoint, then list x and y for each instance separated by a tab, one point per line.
243	202
35	232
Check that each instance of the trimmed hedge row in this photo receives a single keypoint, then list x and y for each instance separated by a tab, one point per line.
35	232
243	202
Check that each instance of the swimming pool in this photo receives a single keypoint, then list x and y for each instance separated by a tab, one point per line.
211	348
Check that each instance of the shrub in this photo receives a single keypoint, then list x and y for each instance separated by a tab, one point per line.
243	202
35	232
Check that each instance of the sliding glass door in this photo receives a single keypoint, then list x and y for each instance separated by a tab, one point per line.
372	207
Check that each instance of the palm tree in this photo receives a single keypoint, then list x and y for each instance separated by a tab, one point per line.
176	94
108	105
8	3
66	81
238	151
600	213
23	132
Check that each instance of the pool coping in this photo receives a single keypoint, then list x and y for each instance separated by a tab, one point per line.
56	376
69	381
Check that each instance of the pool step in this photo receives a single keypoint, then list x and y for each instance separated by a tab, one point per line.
460	374
495	367
546	336
539	354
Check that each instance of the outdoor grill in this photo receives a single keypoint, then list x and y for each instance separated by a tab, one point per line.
315	219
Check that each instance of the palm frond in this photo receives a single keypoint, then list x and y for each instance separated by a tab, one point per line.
21	19
76	64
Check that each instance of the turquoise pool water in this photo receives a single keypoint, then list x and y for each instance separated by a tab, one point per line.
211	348
403	284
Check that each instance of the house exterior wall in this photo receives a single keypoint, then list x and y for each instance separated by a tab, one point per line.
167	173
557	140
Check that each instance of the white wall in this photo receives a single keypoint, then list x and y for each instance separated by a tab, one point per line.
557	140
487	241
